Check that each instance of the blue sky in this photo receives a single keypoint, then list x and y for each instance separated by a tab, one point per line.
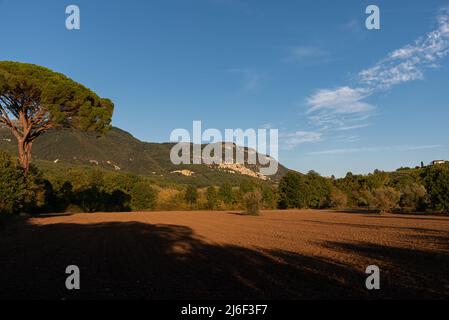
343	97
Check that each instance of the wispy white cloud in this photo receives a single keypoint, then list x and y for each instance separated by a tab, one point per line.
291	140
345	107
409	62
340	117
357	126
347	138
374	149
343	100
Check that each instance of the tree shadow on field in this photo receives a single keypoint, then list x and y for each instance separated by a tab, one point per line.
236	213
406	273
136	260
394	215
358	211
372	227
417	217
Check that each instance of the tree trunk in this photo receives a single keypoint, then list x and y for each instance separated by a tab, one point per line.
25	153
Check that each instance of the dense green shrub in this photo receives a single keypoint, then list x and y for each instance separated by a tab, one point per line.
120	181
246	186
338	199
191	194
13	186
290	189
413	197
269	197
143	196
19	192
226	194
317	191
436	180
253	202
384	199
304	191
212	198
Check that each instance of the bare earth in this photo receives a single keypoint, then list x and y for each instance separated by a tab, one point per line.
215	255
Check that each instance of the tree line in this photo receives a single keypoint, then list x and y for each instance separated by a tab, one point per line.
83	189
79	189
423	189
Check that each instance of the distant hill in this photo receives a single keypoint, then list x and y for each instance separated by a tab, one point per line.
119	150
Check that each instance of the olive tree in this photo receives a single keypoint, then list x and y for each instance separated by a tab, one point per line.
34	99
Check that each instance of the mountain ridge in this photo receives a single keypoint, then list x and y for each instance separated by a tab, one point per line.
119	150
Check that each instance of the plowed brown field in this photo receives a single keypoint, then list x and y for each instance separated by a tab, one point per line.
212	255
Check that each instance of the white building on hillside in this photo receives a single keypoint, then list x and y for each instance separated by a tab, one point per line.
435	162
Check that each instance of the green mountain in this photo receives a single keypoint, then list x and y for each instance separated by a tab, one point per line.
120	151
